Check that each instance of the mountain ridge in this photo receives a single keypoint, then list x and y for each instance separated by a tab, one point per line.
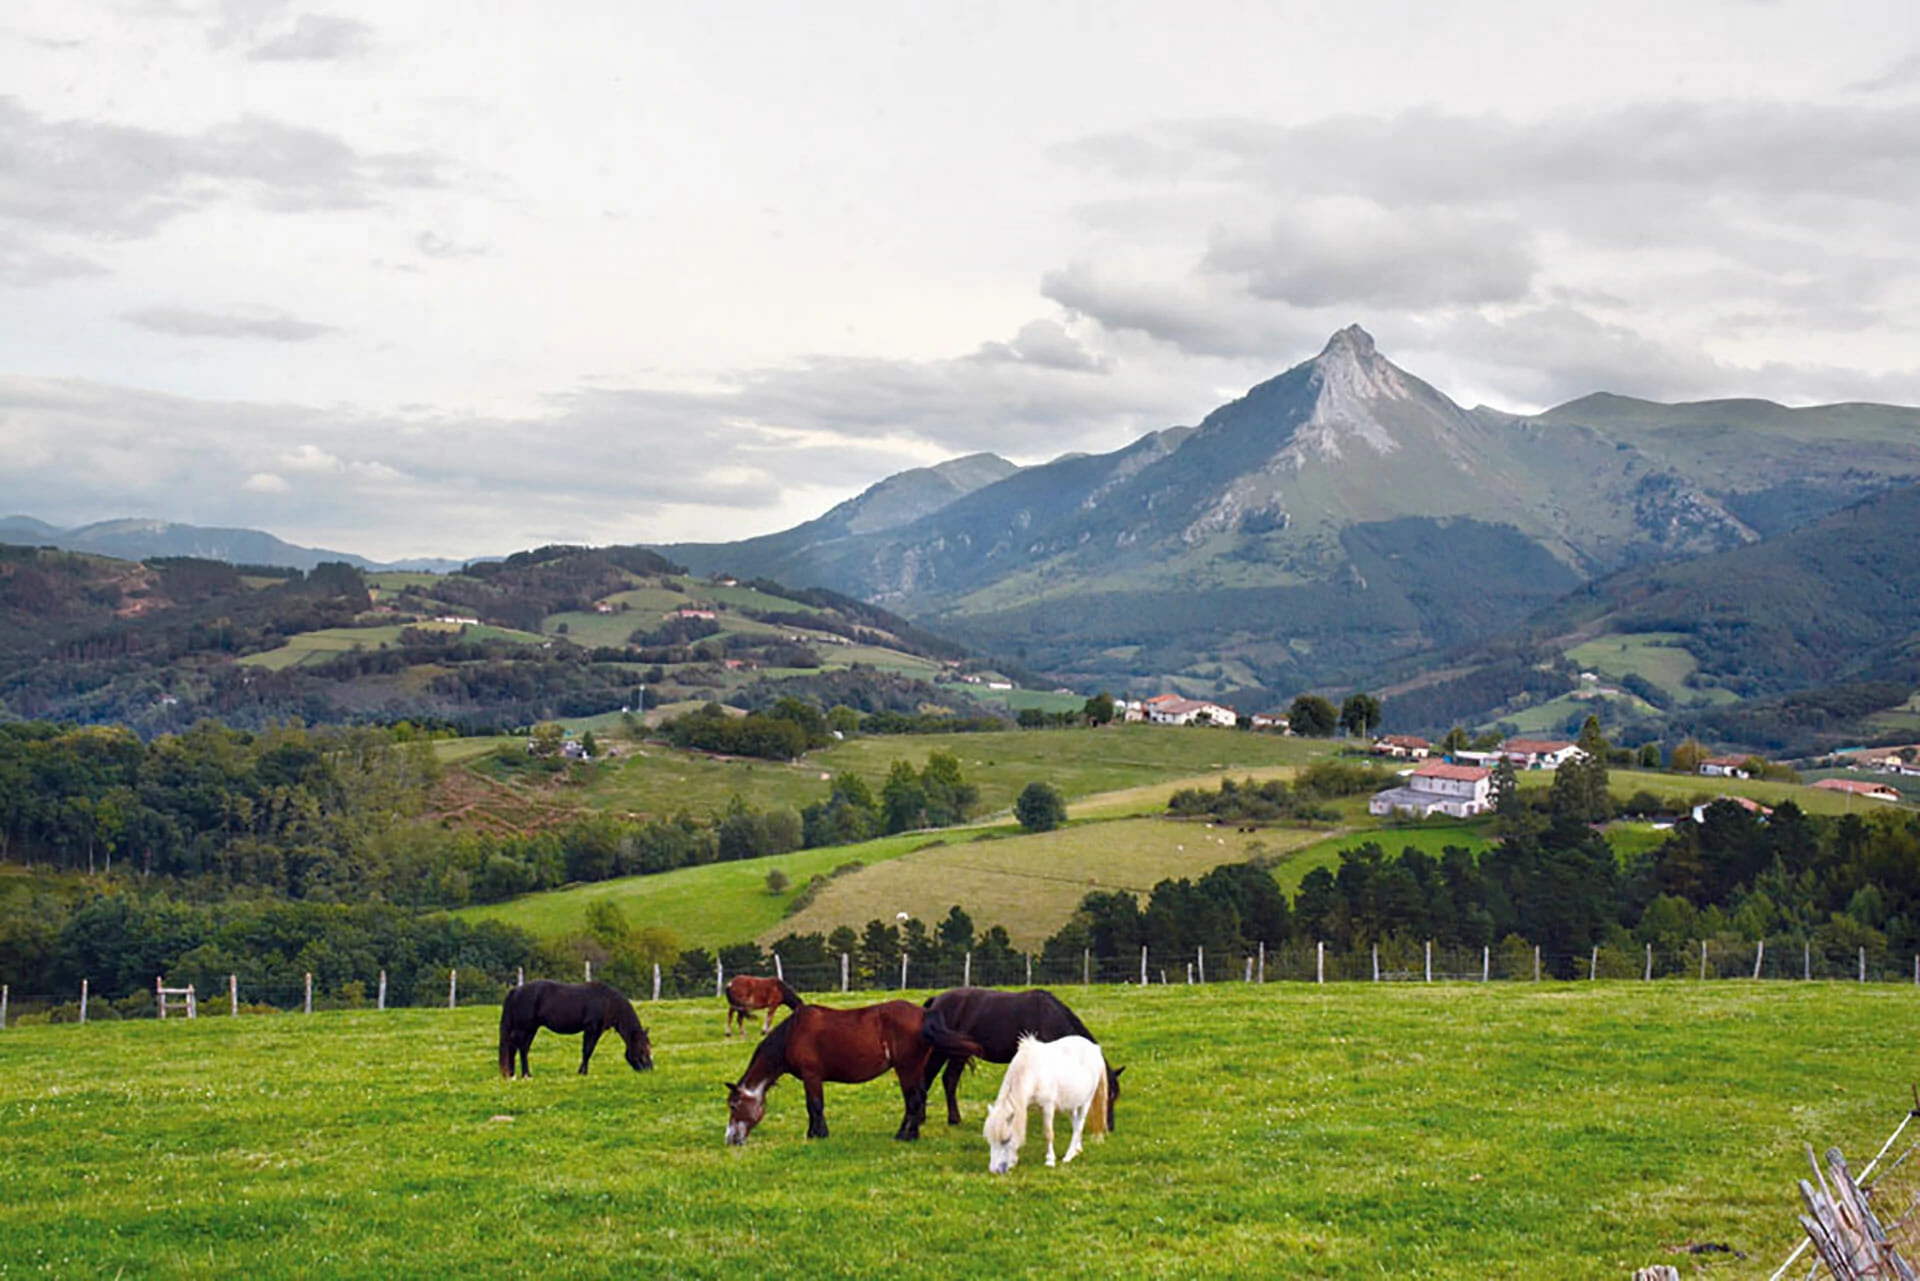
141	538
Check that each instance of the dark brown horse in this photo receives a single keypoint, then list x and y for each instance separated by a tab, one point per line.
847	1047
968	1023
745	994
587	1008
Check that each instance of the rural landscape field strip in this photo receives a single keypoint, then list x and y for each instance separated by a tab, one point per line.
1446	1131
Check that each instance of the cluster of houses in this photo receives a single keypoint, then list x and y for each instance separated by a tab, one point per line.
1461	786
1171	709
1903	761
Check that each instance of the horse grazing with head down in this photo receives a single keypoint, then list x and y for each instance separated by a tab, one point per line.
967	1023
1068	1073
587	1008
746	994
848	1047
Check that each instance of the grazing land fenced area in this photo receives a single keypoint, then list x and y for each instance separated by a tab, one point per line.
1448	1130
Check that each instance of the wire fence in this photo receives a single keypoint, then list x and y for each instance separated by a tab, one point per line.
1396	961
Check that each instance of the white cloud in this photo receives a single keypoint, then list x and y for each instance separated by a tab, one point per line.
185	322
265	482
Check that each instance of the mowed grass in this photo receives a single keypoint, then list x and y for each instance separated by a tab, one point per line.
1511	1130
1032	884
707	906
660	780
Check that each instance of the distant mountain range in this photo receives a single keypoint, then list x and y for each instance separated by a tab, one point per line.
1334	519
139	539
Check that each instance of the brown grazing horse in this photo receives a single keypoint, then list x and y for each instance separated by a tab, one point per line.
745	994
818	1044
967	1023
587	1008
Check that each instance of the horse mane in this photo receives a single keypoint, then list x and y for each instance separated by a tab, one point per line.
626	1020
788	996
771	1045
1073	1020
1007	1121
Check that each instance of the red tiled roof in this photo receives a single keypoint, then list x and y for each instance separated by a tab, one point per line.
1858	789
1458	773
1406	740
1732	762
1536	746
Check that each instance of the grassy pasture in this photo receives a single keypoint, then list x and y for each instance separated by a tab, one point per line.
1681	788
1656	656
1355	1130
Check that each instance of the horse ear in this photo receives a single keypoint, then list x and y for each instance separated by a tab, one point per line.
1117	1072
733	1088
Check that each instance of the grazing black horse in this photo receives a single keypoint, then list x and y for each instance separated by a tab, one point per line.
587	1008
967	1023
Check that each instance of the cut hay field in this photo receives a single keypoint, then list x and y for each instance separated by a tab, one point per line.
1551	1131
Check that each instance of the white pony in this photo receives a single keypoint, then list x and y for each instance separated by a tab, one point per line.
1068	1073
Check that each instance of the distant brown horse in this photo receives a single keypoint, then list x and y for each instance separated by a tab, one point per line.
587	1008
745	994
847	1047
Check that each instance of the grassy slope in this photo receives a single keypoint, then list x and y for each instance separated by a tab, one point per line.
1349	1131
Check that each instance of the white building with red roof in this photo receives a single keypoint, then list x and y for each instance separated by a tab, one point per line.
1872	791
1438	788
1539	753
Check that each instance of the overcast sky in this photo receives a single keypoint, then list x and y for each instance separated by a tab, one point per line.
451	278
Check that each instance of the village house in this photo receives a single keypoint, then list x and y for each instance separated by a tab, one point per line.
1539	753
458	620
1189	711
693	611
1402	747
1726	767
1274	722
1752	807
1871	791
1438	788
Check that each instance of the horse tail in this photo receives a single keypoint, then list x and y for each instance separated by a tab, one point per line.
1097	1110
788	996
935	1032
506	1036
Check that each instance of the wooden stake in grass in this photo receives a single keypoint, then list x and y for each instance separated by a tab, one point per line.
233	994
903	971
1649	977
589	965
1759	956
1536	962
1593	965
1249	969
777	971
844	973
1486	963
1143	966
382	1001
1086	967
1189	973
1320	961
4	989
1263	960
83	1000
656	980
1201	953
1429	960
1863	965
519	976
719	978
1376	962
1703	960
1029	969
1806	961
966	971
453	988
309	999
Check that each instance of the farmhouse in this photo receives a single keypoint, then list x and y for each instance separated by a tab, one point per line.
1872	791
1189	711
1276	722
1402	747
1726	767
1438	787
693	611
458	620
1539	753
1755	808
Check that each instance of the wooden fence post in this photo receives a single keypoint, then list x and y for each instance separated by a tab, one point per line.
519	976
1806	961
1863	965
1201	953
1249	969
1703	960
1189	973
1029	969
1486	963
966	970
453	988
845	973
1649	977
1593	964
903	971
1143	967
160	997
233	994
4	990
1376	962
382	1002
1536	962
1320	961
656	980
1086	967
193	1005
1429	960
1263	960
719	978
589	964
309	1001
777	971
1759	956
83	1000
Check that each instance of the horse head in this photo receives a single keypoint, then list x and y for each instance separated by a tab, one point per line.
639	1049
1003	1140
744	1110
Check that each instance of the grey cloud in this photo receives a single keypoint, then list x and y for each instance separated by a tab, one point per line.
1356	253
24	264
1047	344
1199	316
316	38
185	323
435	245
1904	74
122	181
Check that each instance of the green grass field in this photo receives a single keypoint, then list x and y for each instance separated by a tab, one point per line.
1350	1131
331	642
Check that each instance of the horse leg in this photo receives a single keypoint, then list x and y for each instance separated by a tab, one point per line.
951	1080
1079	1124
526	1042
913	1097
816	1110
1046	1112
588	1040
